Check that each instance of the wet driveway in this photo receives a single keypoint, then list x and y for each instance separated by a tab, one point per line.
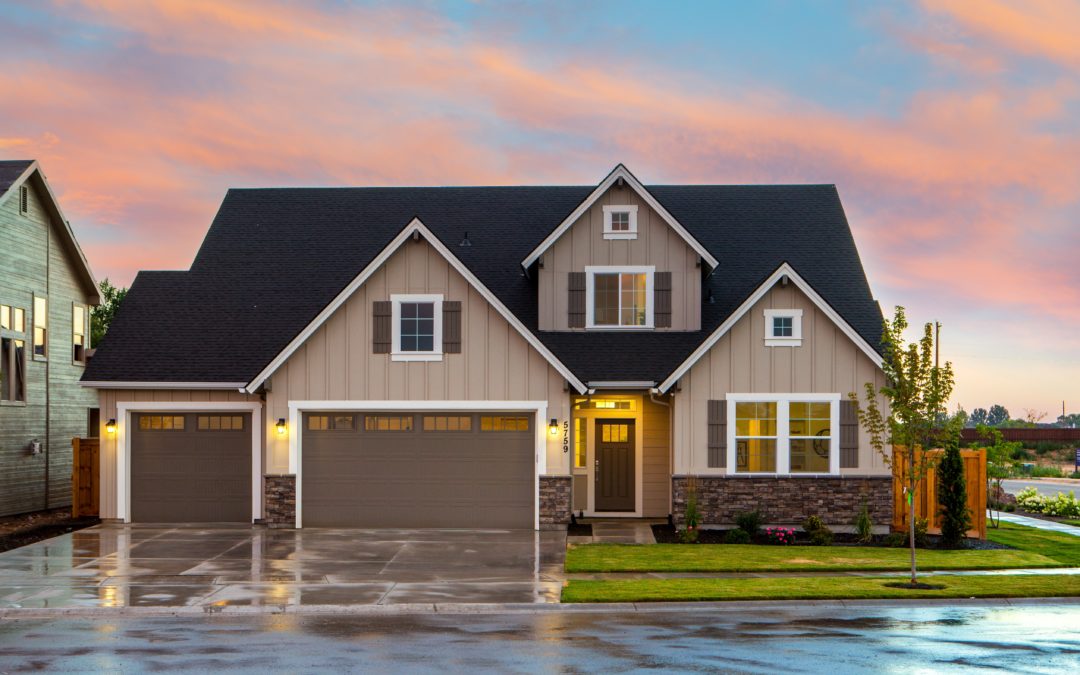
214	567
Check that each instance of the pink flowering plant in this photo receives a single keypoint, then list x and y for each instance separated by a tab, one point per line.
781	536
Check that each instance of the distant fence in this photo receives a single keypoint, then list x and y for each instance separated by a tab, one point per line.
926	498
1052	435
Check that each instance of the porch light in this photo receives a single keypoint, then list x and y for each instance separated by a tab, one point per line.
553	428
110	426
281	426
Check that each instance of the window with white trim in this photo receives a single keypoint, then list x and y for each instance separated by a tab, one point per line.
783	327
620	222
417	326
619	297
12	354
784	433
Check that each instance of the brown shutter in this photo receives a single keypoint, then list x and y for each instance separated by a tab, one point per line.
717	434
662	299
382	332
576	300
849	435
451	326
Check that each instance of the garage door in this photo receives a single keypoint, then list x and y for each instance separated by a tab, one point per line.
387	470
191	467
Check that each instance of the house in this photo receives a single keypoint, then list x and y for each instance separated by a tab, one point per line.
498	357
46	291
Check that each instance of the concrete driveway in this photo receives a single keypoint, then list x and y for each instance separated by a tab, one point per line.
214	567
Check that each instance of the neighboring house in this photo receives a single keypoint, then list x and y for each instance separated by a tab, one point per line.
498	357
46	291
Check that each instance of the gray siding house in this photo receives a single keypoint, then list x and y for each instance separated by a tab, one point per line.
46	291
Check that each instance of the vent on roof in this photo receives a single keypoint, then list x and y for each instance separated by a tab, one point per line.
24	199
465	241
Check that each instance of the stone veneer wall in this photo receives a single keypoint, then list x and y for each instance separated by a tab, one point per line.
279	491
555	506
783	500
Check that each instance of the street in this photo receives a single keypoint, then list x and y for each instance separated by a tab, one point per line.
1045	487
805	637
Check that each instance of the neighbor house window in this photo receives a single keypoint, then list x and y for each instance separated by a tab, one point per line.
417	323
78	334
783	327
12	369
620	222
619	297
41	327
13	319
784	433
581	441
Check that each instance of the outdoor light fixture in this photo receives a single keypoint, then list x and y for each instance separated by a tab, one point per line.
281	426
110	426
553	428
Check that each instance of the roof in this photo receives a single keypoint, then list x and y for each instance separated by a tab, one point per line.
274	258
11	170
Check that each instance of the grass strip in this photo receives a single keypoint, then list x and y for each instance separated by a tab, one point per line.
1063	548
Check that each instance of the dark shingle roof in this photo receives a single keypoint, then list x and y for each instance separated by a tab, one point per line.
10	170
273	258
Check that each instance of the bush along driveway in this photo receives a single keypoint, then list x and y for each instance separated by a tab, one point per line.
1033	549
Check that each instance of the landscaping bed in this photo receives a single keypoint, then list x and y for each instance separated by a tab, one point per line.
29	528
667	534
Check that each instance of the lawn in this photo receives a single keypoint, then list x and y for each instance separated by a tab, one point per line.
1063	548
817	588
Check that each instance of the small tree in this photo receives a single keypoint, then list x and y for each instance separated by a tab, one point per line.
917	390
101	316
999	458
952	496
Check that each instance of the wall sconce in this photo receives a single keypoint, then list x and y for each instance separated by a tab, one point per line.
553	428
110	426
281	426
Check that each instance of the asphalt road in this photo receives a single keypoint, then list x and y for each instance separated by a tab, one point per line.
805	638
1048	488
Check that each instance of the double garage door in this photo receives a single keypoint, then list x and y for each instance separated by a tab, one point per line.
413	470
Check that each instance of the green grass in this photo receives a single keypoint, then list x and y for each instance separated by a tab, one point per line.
817	588
1074	523
1062	548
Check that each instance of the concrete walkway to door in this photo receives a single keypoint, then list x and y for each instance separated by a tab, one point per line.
219	566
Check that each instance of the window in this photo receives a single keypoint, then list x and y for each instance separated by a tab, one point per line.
417	324
24	199
41	326
784	433
78	334
620	222
331	422
603	404
614	433
581	441
12	370
221	423
503	423
161	422
619	297
388	423
447	423
783	327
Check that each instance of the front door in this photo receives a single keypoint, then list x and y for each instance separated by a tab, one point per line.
614	465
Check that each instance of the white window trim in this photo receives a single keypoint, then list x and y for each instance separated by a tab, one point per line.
620	234
772	340
783	446
590	294
396	353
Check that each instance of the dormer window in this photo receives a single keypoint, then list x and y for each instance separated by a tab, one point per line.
620	222
619	297
783	327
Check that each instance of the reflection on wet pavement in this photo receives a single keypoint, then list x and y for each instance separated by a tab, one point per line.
130	566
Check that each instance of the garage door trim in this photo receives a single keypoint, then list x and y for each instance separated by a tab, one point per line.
124	411
297	408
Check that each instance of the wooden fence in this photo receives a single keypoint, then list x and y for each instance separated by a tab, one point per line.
84	477
926	499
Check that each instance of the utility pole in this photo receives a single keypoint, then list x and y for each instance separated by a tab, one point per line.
937	343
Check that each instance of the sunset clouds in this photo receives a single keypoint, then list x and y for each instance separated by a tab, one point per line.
951	130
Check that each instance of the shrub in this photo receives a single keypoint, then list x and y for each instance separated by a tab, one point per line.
1038	471
896	540
952	497
921	525
1061	505
782	536
736	536
1074	474
749	522
689	535
864	527
820	534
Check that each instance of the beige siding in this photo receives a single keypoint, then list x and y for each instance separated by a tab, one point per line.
826	362
656	459
656	244
337	362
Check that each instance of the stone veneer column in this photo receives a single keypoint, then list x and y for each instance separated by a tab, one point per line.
555	502
279	491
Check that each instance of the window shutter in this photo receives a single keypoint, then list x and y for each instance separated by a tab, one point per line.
662	299
849	435
717	434
451	326
382	332
576	300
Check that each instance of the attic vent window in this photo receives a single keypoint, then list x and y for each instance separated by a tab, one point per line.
783	327
620	222
24	199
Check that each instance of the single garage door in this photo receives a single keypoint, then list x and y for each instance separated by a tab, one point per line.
191	467
387	470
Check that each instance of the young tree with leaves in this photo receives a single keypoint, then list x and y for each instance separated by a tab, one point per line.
997	416
917	390
101	316
952	496
999	457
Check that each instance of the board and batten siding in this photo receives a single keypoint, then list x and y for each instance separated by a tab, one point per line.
338	361
584	244
826	362
34	261
656	459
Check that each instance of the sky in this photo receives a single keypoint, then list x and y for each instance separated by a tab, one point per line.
951	129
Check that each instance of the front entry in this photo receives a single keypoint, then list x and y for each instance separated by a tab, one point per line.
614	470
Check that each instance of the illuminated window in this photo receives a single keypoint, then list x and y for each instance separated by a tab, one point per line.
619	297
220	423
447	423
755	436
78	334
614	433
161	422
581	441
503	423
810	434
41	327
388	423
331	422
620	222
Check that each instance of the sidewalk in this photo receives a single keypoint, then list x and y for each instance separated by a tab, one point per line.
1039	524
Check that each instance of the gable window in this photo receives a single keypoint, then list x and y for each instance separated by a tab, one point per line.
78	334
619	297
784	433
783	327
417	326
41	327
620	222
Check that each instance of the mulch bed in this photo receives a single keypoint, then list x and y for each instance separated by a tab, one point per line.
576	529
29	528
666	534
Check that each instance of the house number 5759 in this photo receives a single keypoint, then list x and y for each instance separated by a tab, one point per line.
566	436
